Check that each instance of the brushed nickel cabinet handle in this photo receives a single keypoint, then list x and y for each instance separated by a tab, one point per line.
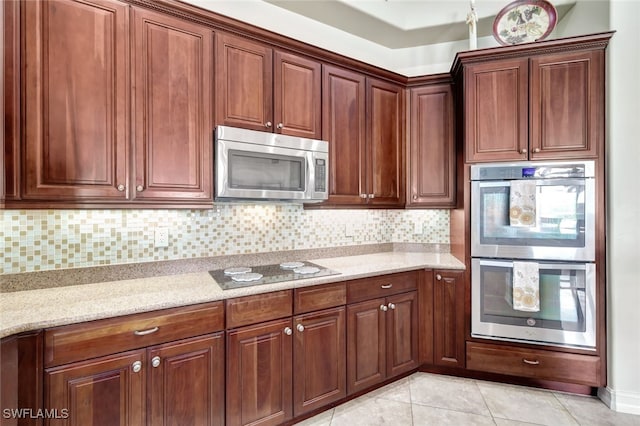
523	151
536	150
363	195
438	277
139	188
267	124
145	332
386	286
300	328
121	188
155	361
288	331
371	196
526	361
415	197
384	308
136	366
280	126
391	306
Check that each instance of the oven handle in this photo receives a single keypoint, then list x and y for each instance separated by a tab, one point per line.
509	264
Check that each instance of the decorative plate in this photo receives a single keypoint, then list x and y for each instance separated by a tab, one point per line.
524	21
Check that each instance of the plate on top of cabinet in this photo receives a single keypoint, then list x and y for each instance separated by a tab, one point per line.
524	21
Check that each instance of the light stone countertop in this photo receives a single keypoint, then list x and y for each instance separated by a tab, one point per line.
35	309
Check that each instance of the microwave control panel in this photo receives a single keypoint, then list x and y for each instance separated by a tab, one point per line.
321	175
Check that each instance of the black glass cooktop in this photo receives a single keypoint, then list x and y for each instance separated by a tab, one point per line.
270	274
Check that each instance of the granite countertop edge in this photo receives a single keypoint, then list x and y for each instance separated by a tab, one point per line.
31	310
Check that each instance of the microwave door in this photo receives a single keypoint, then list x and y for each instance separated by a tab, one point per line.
565	220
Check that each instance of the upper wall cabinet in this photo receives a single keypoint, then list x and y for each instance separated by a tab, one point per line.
115	109
172	115
265	89
76	94
431	153
535	106
363	120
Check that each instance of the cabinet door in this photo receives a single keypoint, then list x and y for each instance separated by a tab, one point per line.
319	359
432	153
366	343
343	125
172	108
297	96
186	382
385	143
567	105
244	83
101	391
402	333
259	368
495	110
448	313
76	97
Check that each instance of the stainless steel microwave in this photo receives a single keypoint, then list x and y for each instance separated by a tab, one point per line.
252	165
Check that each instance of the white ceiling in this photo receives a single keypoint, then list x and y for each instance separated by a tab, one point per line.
404	23
411	37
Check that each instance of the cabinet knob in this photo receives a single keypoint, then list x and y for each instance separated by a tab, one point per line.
386	286
523	151
536	150
300	328
280	126
267	124
526	361
288	331
155	361
136	366
415	197
391	306
121	188
363	195
438	277
139	188
371	196
383	308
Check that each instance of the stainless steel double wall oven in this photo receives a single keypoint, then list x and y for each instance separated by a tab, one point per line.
560	240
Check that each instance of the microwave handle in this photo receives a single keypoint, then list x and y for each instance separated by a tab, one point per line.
543	265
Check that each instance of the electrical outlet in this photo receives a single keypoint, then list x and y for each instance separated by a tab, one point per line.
417	228
161	237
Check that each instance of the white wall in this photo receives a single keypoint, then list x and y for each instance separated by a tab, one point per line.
623	230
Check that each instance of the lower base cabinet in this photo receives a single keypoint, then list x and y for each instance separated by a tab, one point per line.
382	339
177	383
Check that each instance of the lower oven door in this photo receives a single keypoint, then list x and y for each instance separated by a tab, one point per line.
567	304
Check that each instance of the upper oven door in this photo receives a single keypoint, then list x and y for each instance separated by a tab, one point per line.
563	230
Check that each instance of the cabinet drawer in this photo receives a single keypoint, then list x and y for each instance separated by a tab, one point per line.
314	298
260	307
96	338
537	364
384	285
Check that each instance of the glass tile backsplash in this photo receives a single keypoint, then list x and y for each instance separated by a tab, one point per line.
39	240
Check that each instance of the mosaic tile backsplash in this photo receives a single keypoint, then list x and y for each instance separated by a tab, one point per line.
39	240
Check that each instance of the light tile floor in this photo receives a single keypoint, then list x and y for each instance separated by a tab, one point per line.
430	399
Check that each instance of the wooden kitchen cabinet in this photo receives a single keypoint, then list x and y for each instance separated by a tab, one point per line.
264	89
363	121
75	105
535	107
171	111
448	318
259	374
319	359
382	332
162	367
432	149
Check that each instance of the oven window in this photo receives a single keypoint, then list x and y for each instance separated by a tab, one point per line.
562	299
248	170
560	217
